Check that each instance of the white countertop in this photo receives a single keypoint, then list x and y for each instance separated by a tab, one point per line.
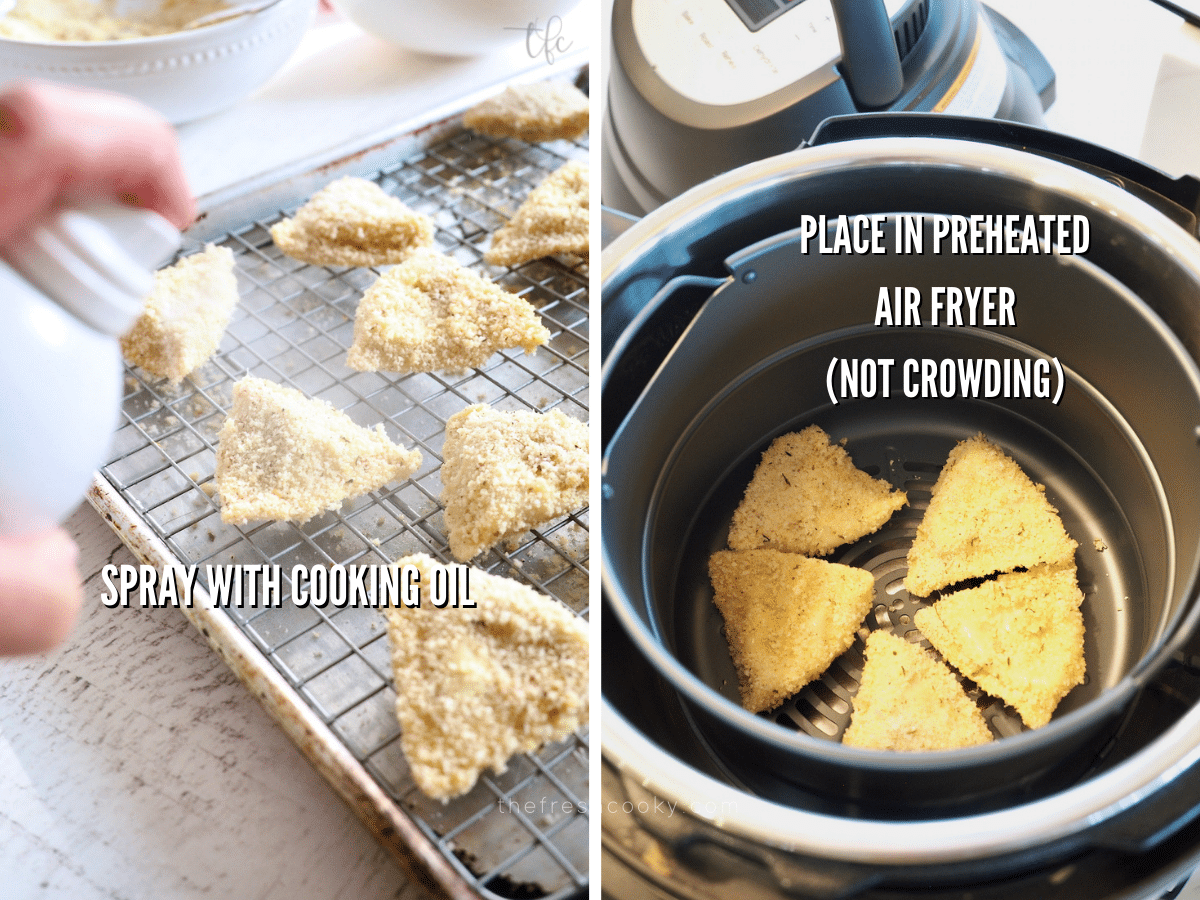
1106	55
132	763
343	87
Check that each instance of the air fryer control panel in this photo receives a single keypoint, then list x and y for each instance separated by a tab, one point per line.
728	52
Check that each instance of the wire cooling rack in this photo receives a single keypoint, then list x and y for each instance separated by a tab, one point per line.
523	833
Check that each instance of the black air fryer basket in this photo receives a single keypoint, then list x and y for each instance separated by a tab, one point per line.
721	335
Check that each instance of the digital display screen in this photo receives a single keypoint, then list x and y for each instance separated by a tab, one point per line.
757	13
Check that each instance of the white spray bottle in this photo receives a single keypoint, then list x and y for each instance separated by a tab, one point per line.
69	288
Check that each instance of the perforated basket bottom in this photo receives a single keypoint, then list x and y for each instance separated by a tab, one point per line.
520	833
909	453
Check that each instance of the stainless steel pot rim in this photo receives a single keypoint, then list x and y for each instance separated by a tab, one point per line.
902	843
965	155
945	840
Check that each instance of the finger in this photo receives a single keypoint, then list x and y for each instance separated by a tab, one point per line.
57	141
108	142
40	591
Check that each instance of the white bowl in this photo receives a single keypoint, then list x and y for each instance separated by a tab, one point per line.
457	27
184	75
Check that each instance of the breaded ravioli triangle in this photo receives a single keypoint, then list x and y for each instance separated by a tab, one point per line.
787	617
807	497
476	686
985	515
185	315
907	700
506	472
1019	637
352	222
541	111
287	457
553	220
430	313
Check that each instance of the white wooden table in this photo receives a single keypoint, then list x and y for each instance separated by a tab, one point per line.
133	764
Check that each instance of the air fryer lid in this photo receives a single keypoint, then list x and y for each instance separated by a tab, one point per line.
751	367
695	92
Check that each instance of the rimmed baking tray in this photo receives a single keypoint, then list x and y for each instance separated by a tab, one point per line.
324	674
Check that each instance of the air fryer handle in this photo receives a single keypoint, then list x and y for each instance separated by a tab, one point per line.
1154	819
870	60
700	849
1177	198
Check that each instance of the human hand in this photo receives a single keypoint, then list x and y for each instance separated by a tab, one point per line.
59	144
40	591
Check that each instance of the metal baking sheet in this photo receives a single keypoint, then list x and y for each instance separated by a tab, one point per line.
325	674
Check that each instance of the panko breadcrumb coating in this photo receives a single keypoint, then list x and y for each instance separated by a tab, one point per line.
807	497
907	700
506	472
430	313
542	111
352	222
787	617
185	315
99	20
1019	637
476	686
287	457
553	220
985	515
